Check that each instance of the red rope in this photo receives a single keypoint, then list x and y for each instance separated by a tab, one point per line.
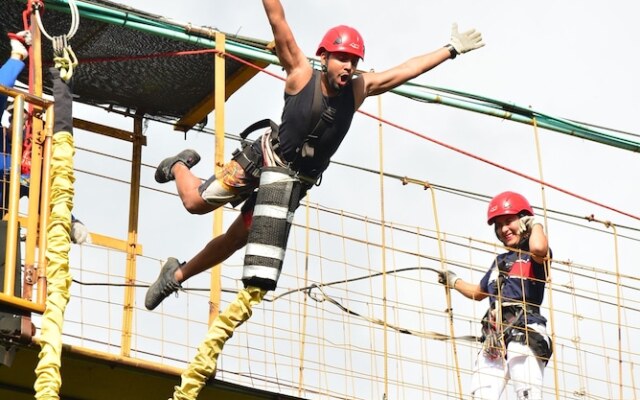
177	54
146	56
484	160
466	153
27	141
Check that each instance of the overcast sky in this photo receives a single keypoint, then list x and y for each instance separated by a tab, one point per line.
570	59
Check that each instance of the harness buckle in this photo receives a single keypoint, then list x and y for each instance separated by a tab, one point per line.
309	180
248	160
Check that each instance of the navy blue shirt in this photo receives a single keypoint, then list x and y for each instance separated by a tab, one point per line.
524	279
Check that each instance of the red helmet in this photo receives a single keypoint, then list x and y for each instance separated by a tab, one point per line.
508	203
342	38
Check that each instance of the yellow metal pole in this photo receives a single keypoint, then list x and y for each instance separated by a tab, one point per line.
21	304
132	238
31	99
35	188
14	193
219	96
35	180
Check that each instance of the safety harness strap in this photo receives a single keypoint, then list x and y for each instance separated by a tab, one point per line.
316	106
263	123
323	120
251	161
514	329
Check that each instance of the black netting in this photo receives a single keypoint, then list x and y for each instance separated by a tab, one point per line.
163	86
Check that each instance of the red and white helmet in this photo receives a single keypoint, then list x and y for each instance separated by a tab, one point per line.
344	39
508	203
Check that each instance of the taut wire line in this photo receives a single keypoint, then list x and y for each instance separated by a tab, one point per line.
547	261
447	289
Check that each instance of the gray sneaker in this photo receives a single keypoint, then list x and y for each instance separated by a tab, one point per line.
187	157
164	285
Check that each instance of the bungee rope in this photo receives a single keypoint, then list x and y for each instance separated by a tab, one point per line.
58	276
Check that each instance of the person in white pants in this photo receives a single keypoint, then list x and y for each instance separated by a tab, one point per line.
516	346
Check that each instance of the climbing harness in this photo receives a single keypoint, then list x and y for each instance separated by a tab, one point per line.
519	331
249	159
508	322
281	187
252	161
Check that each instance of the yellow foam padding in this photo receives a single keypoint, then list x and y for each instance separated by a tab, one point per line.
203	365
48	380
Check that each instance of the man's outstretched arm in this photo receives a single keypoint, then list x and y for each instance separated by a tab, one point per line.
376	83
291	58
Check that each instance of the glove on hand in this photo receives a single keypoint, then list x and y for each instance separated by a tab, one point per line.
465	41
527	223
19	43
447	278
79	232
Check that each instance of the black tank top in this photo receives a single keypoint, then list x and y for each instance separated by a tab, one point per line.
296	124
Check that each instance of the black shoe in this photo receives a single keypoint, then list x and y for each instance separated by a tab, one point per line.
187	157
164	285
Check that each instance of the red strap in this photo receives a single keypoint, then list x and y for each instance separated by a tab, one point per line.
27	143
13	36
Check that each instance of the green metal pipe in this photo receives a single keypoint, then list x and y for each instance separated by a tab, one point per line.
167	30
63	6
177	31
542	121
526	115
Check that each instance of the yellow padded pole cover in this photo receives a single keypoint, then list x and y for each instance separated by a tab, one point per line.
48	381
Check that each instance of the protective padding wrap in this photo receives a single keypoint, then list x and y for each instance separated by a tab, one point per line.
48	379
203	365
277	200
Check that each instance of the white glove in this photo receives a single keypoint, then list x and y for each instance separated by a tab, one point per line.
465	41
448	278
19	43
527	223
79	232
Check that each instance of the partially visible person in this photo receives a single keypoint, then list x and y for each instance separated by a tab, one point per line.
9	73
15	64
516	346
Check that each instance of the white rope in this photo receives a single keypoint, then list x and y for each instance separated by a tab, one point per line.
75	21
270	156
